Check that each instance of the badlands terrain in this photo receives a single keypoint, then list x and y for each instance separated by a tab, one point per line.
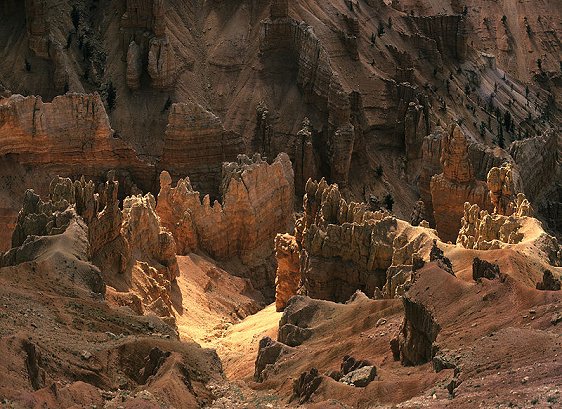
278	204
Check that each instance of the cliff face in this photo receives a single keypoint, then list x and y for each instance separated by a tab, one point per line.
146	44
455	186
319	83
448	31
537	159
257	204
72	133
196	144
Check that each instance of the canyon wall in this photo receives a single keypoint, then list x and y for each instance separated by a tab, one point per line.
448	31
320	85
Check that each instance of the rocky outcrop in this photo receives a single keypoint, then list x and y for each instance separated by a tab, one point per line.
480	156
196	144
153	250
161	63
455	186
257	204
304	159
418	332
549	282
437	255
49	233
484	231
416	128
484	269
149	241
361	377
431	165
287	277
500	184
346	247
269	353
418	213
130	247
305	386
358	373
134	66
70	135
296	321
398	279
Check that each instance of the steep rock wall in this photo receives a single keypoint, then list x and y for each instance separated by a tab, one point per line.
257	204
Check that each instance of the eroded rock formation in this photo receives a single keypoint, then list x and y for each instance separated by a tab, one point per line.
346	247
484	231
549	282
196	144
129	246
316	78
500	184
484	269
269	353
358	373
71	134
257	203
145	42
448	31
418	332
288	277
456	185
153	251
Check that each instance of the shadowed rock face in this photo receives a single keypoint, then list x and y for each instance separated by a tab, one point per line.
483	269
269	353
196	145
72	134
549	282
417	334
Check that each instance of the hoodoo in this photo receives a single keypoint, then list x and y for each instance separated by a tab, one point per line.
305	203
